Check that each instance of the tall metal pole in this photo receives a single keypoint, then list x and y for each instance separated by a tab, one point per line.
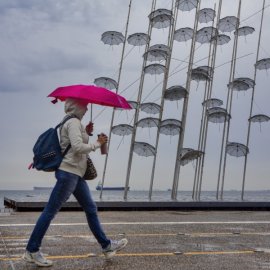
230	103
209	94
117	89
202	127
136	116
252	101
165	82
185	108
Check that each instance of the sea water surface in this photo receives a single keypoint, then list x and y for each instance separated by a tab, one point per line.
138	195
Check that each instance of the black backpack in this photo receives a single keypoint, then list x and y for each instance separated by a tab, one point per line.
47	150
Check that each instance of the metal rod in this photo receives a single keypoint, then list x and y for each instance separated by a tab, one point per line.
209	94
165	82
225	122
185	108
230	89
136	116
252	101
202	126
117	89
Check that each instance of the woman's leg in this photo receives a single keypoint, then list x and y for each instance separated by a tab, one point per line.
64	187
83	195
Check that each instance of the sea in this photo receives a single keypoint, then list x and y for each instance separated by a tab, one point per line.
138	195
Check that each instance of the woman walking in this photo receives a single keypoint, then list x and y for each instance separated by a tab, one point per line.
70	180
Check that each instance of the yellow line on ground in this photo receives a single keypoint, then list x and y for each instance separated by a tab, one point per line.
84	256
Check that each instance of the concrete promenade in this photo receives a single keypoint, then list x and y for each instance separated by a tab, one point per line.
183	240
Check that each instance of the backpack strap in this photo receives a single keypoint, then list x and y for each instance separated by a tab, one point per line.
60	125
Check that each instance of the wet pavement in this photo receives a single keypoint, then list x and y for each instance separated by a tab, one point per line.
157	240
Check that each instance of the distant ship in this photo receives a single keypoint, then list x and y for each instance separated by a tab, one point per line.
99	187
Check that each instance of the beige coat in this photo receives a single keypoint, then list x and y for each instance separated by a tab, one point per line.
73	132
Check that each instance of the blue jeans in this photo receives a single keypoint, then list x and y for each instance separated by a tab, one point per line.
67	184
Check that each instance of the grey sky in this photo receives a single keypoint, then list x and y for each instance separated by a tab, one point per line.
46	44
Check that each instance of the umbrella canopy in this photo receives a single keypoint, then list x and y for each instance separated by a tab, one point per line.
245	30
227	24
138	39
212	102
90	94
155	55
206	15
221	39
122	130
206	34
106	82
259	118
175	92
148	122
150	108
236	149
144	149
189	156
183	34
239	85
186	5
154	69
263	64
112	38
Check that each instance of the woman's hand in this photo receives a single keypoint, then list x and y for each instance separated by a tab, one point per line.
102	138
89	128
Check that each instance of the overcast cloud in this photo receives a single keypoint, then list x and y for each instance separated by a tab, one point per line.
46	44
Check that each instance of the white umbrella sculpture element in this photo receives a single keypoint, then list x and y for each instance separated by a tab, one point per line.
106	83
144	149
112	38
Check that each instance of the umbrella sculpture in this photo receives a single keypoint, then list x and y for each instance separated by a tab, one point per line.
148	122
239	85
206	15
206	34
227	24
155	55
175	92
154	69
205	69
161	18
249	81
160	47
217	115
199	75
190	156
259	118
122	130
212	102
263	64
112	38
138	39
171	122
150	108
186	5
161	11
144	149
170	127
236	149
245	30
106	82
221	39
183	34
90	94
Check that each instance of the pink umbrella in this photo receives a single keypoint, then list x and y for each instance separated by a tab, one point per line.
91	94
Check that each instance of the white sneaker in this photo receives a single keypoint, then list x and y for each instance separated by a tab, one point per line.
37	258
114	247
